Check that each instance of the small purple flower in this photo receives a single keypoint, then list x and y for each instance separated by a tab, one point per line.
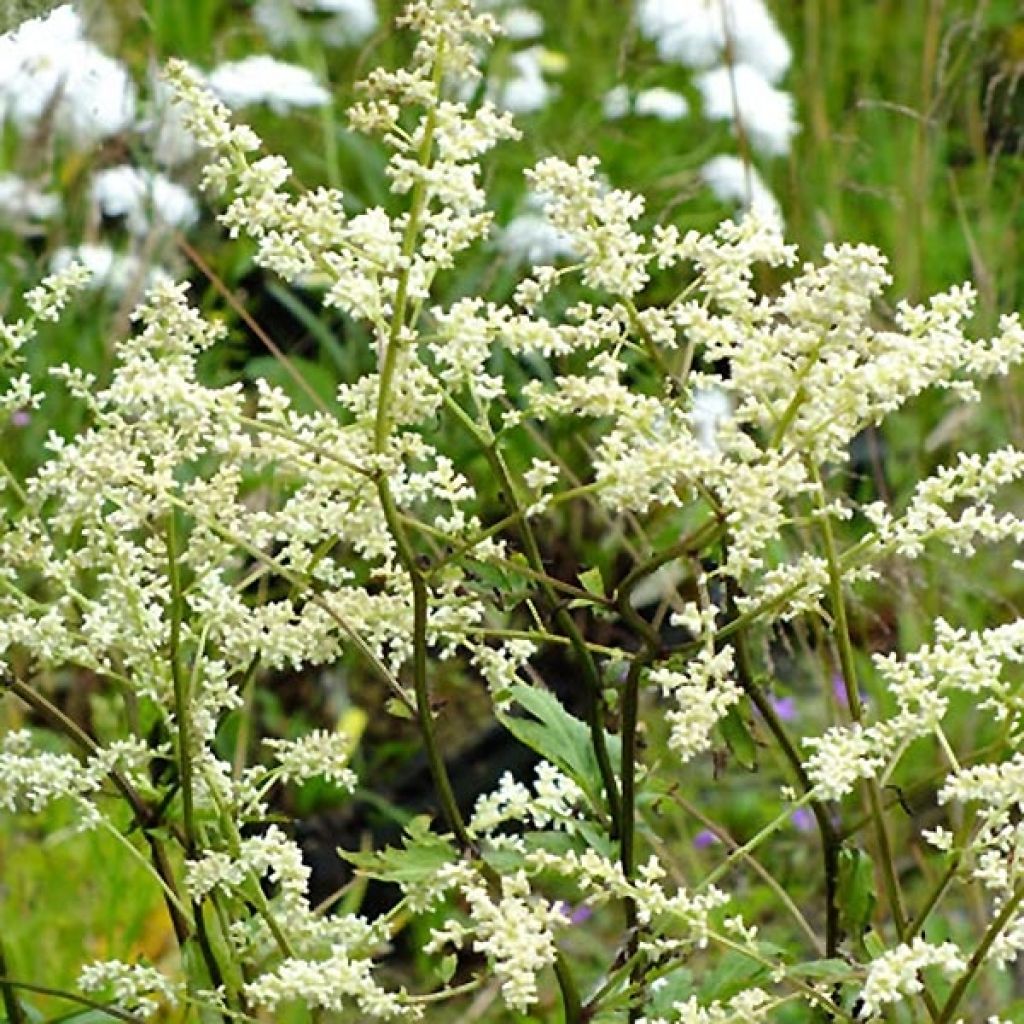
784	707
580	914
21	418
839	689
704	838
573	915
802	819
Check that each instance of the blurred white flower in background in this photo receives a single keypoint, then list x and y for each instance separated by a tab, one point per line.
711	408
49	69
522	89
109	270
741	56
532	239
616	103
264	79
733	181
144	199
741	92
698	33
521	23
664	104
350	23
170	142
21	200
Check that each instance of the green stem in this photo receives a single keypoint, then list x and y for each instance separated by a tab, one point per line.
848	668
181	694
752	843
143	815
809	991
830	842
766	876
945	1014
12	1005
932	899
306	587
651	645
381	440
567	624
572	1006
71	997
259	899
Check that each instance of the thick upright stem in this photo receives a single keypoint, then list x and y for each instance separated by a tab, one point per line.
848	668
651	645
572	1006
381	440
181	694
831	844
12	1005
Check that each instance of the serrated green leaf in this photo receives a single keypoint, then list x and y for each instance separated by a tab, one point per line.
421	856
559	738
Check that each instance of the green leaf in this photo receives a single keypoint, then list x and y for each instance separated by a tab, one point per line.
314	323
738	737
505	859
319	379
559	737
826	970
672	988
733	974
421	856
80	1017
399	708
34	1015
592	581
446	968
856	892
874	945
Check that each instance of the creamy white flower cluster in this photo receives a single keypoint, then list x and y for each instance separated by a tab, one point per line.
515	932
921	685
516	928
318	754
750	1006
135	988
700	695
897	973
553	803
995	849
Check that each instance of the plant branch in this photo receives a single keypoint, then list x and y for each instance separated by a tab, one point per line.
831	844
71	997
1009	908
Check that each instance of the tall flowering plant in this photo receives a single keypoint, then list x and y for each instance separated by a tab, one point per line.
135	553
